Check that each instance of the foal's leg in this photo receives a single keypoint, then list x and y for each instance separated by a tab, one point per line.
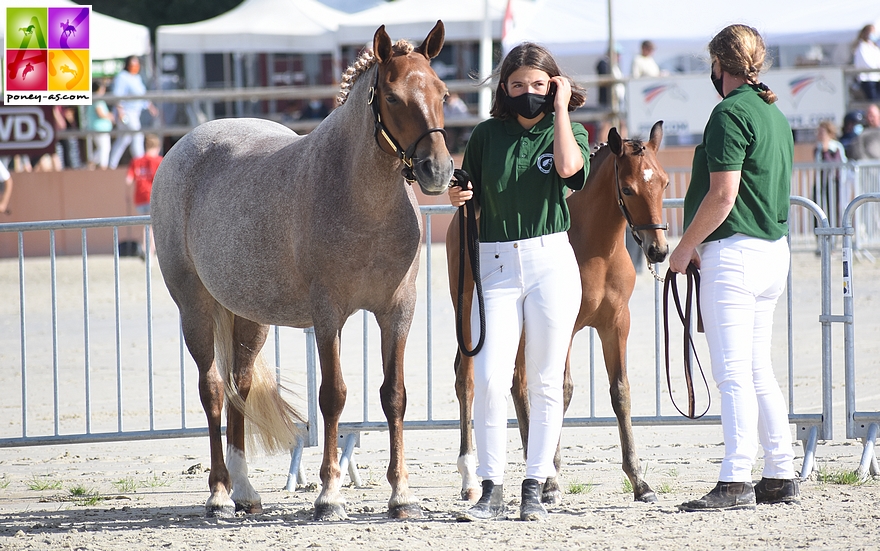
467	462
248	339
394	326
198	332
330	505
614	347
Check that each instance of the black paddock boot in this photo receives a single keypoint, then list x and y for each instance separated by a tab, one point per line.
777	490
490	506
725	496
531	508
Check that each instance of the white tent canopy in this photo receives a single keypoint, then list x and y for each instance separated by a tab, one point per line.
256	26
109	38
413	19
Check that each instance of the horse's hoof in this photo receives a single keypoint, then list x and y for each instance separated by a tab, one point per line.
220	511
250	508
551	498
329	512
470	494
647	497
405	511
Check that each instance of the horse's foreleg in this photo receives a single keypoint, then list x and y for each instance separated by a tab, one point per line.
614	346
198	334
519	391
248	339
467	462
330	505
395	328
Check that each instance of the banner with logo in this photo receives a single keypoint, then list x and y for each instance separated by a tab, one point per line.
684	102
47	59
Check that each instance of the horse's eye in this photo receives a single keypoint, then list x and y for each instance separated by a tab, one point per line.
391	99
627	191
666	185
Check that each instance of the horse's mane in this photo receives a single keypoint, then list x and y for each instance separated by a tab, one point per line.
638	147
360	66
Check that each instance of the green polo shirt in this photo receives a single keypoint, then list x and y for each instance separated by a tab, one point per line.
515	181
745	133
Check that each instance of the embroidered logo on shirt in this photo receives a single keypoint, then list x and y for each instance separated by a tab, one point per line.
545	163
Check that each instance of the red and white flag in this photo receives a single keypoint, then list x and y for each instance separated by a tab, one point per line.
507	28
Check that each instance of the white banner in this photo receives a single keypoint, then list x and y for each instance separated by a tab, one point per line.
684	102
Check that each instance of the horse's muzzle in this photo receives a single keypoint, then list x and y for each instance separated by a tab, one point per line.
433	175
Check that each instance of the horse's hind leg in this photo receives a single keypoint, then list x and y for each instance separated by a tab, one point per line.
614	346
248	339
394	326
464	390
198	331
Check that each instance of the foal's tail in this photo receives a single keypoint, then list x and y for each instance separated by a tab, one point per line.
271	421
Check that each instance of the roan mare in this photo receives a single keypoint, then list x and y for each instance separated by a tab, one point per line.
255	225
624	189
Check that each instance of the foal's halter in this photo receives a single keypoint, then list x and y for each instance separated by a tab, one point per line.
633	228
379	128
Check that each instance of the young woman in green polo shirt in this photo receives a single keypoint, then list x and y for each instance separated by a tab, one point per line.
736	221
520	162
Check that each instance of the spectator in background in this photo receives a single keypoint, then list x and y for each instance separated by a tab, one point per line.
67	149
140	174
643	65
5	189
315	109
610	65
455	108
827	189
128	112
100	120
852	127
866	55
867	144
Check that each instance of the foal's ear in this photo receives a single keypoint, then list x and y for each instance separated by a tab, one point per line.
615	142
382	45
656	135
433	43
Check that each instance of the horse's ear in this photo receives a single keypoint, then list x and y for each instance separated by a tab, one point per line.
615	142
656	135
382	47
433	43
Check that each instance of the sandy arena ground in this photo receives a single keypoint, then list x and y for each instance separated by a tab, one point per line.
151	494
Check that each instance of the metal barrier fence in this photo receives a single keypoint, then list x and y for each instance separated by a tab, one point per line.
142	362
859	424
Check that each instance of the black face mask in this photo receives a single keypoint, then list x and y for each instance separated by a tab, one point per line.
529	106
718	83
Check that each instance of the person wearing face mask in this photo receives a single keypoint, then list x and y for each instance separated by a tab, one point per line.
736	222
521	162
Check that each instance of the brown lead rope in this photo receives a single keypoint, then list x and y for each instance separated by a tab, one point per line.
469	243
693	289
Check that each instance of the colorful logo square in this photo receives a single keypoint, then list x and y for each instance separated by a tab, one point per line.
69	28
68	70
26	70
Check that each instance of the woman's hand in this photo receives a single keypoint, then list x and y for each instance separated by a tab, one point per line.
563	93
681	257
458	196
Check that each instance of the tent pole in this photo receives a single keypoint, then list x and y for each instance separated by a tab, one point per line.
485	102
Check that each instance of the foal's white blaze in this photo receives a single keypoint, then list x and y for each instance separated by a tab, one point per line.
649	173
242	491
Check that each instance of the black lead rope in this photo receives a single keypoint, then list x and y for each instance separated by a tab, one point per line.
693	289
468	241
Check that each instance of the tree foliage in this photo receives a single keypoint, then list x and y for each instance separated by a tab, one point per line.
152	13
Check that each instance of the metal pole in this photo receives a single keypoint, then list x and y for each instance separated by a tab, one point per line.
485	103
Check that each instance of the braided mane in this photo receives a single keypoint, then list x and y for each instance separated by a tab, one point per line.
364	61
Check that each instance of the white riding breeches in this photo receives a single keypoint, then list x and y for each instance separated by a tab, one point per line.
741	280
532	285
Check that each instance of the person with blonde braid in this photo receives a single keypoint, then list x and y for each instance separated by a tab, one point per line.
736	222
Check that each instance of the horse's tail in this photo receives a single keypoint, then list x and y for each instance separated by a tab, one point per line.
270	420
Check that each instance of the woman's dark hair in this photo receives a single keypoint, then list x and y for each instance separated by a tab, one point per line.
129	60
534	56
740	50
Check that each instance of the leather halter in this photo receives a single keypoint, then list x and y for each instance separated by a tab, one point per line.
407	155
634	229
